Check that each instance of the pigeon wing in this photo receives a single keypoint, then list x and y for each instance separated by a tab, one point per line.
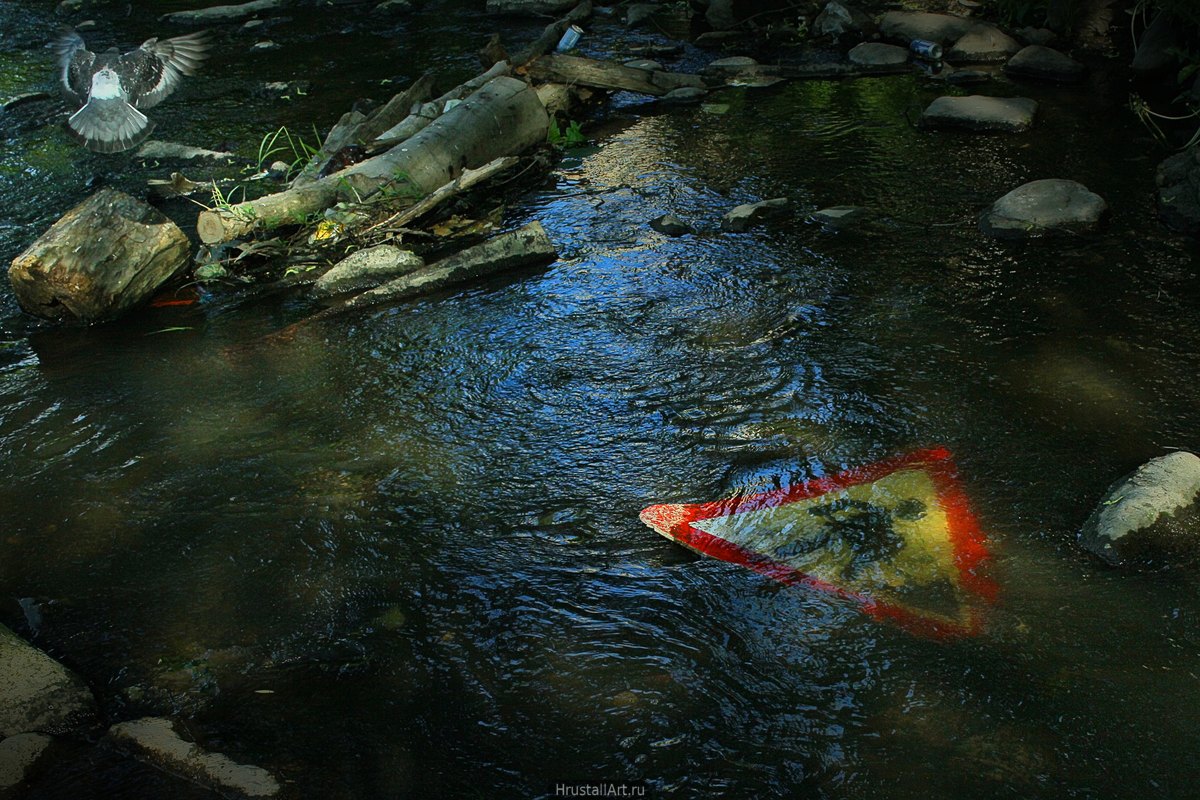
75	65
158	67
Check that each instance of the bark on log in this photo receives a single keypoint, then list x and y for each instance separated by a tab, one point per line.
469	178
552	34
356	128
574	70
105	256
502	118
231	13
527	245
415	122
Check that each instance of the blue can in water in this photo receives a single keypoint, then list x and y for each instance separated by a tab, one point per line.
923	48
570	38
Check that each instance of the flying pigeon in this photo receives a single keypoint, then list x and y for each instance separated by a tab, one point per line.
112	87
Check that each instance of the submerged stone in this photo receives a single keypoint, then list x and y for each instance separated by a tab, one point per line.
37	693
876	54
1150	517
367	269
980	113
154	740
1042	207
838	218
671	225
1044	63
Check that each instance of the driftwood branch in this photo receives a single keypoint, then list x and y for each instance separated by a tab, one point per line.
356	128
574	70
469	178
552	34
504	117
215	15
414	122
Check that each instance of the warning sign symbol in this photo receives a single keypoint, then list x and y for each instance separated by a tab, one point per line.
896	537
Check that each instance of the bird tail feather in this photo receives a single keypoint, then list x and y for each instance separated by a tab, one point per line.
109	125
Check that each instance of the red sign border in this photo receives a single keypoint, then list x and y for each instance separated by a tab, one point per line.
676	522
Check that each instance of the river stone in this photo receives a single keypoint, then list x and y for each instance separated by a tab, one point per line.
1041	207
842	21
744	216
671	225
683	96
908	25
720	15
1157	47
730	66
875	54
1044	63
37	693
18	754
838	218
980	113
366	269
983	44
1178	180
638	13
154	740
390	7
1042	36
1150	517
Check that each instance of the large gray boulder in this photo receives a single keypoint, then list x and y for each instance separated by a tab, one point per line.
155	741
981	113
1150	517
904	26
1178	180
983	44
37	694
366	269
1044	63
1044	207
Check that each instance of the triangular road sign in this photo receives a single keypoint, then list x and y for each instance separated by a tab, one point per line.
896	537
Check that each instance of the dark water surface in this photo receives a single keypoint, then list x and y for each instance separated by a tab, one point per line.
419	529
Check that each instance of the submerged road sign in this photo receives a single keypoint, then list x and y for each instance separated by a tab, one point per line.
897	538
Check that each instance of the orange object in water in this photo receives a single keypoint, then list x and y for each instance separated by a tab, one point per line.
896	537
183	297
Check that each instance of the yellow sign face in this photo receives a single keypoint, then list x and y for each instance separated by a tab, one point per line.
896	537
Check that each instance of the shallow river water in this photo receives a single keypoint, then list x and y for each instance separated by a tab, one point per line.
399	555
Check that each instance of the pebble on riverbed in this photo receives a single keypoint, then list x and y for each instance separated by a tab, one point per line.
671	225
1150	517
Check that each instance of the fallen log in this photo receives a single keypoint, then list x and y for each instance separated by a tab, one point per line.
215	15
356	128
416	121
502	118
526	245
552	34
575	70
105	256
466	180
